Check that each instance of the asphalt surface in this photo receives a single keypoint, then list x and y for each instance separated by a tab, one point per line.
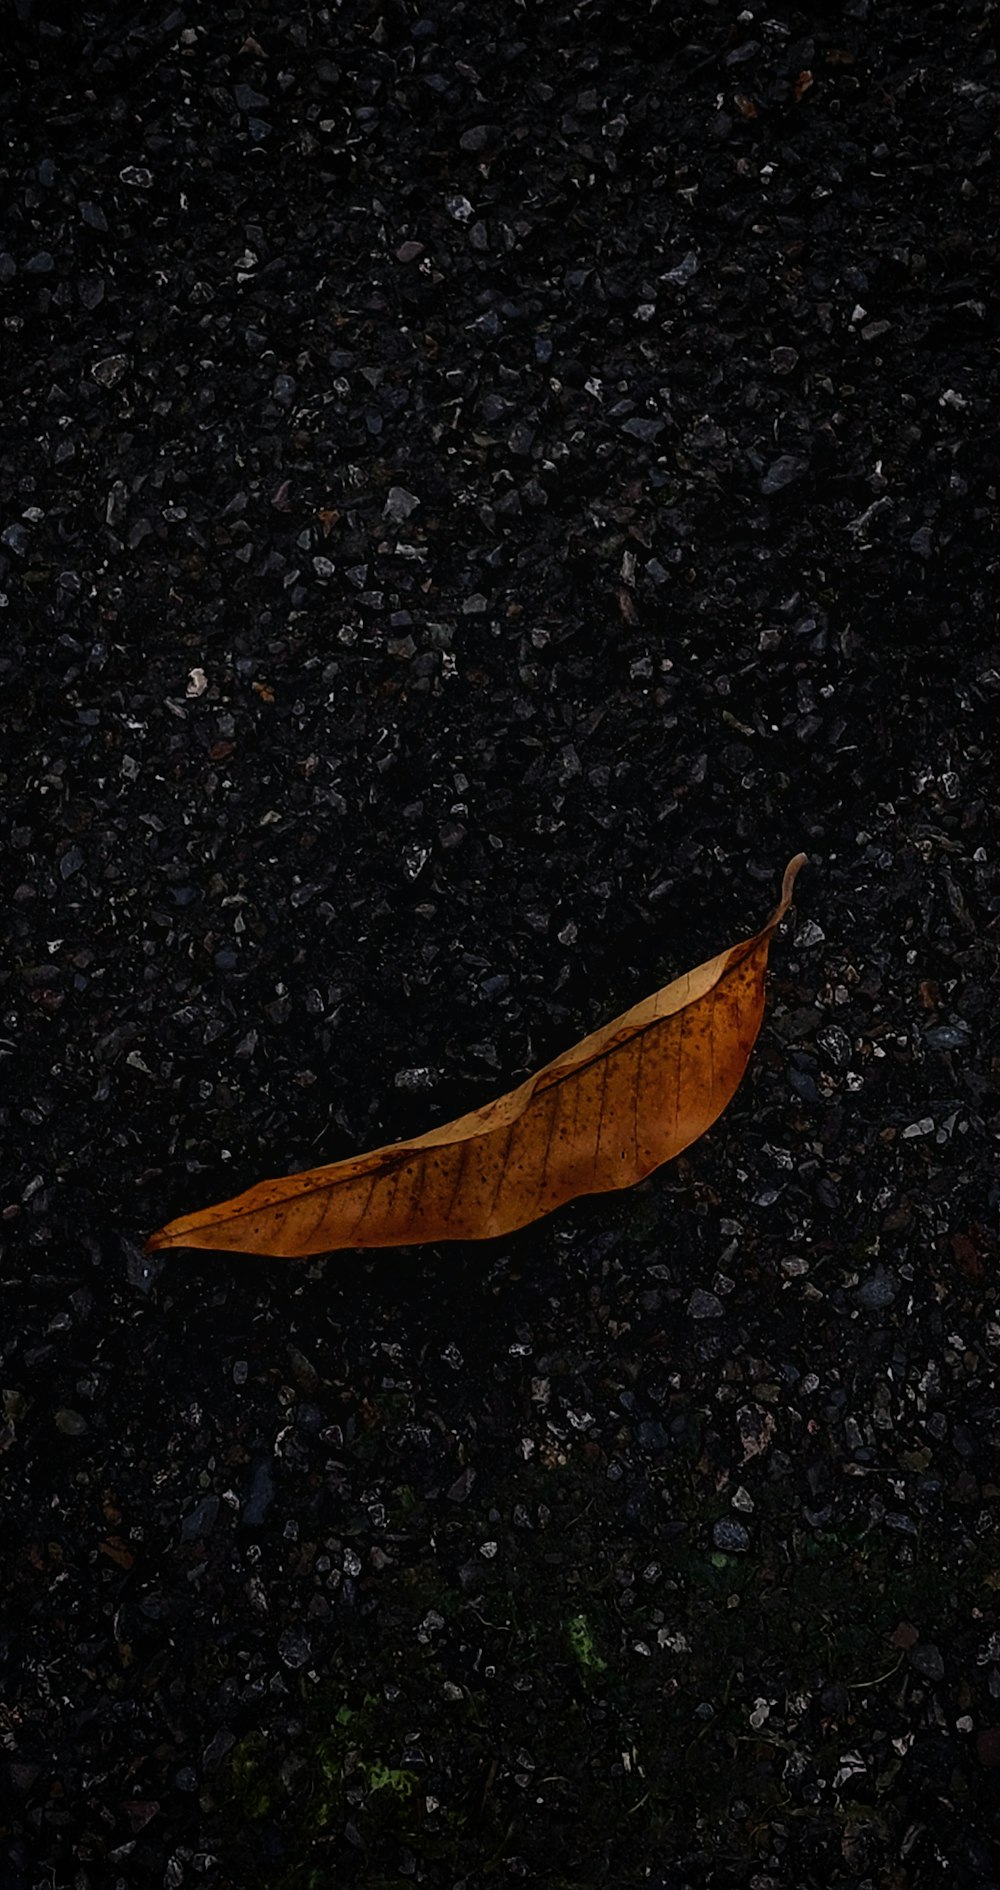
479	490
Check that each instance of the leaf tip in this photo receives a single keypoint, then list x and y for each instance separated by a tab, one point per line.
792	872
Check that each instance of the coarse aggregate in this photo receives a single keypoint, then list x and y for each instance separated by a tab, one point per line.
481	486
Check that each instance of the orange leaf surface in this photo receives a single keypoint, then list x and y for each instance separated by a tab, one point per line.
603	1115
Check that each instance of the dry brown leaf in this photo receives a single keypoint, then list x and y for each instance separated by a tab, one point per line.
603	1115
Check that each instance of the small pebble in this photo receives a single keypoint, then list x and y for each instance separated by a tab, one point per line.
878	1290
260	1495
731	1536
294	1648
109	370
928	1661
400	504
784	471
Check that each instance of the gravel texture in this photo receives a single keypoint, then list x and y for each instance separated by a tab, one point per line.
479	489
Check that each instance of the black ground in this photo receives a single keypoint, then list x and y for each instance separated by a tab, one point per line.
659	1544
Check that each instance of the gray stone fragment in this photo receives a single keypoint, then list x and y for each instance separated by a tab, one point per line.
783	472
294	1647
928	1661
480	138
703	1305
878	1289
260	1494
731	1536
200	1521
400	504
109	371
